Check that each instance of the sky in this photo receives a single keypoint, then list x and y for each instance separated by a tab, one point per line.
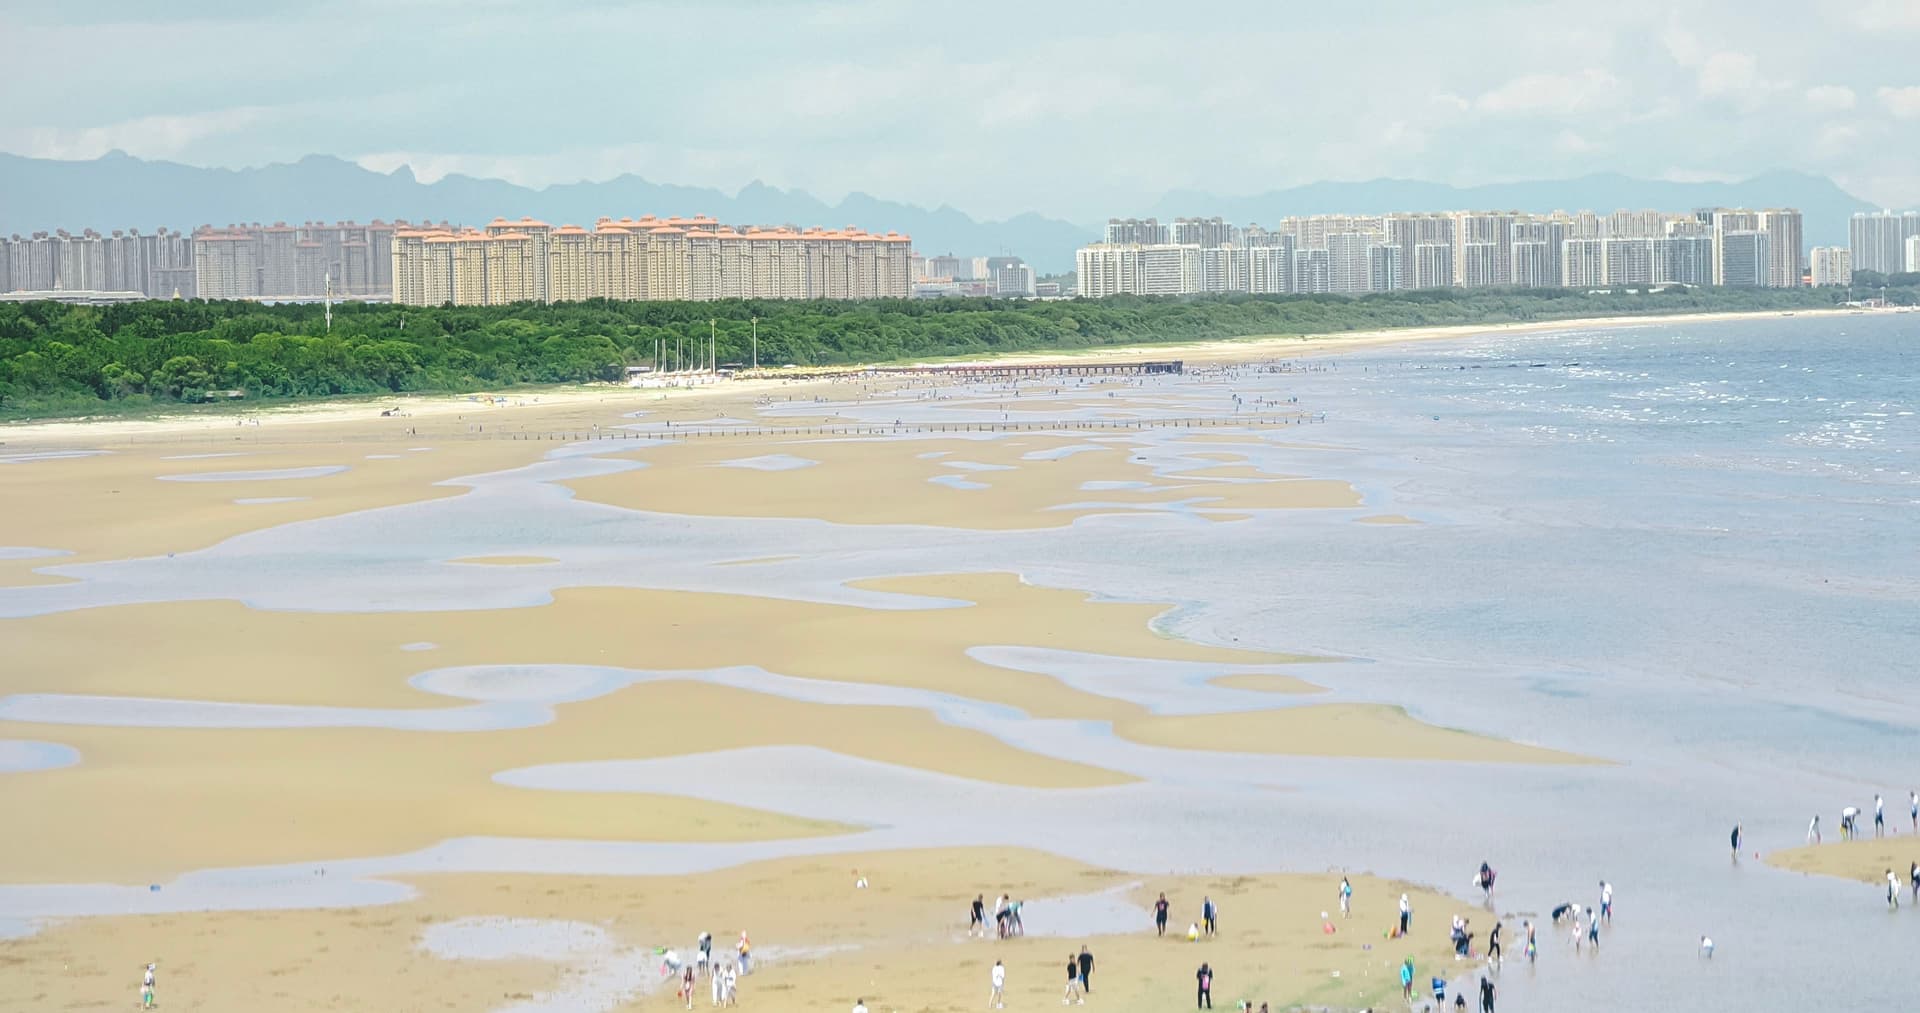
1074	108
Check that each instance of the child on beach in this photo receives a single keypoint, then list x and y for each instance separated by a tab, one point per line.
686	985
1073	991
146	988
996	999
1406	980
1533	941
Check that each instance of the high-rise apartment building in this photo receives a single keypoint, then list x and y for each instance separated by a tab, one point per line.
1136	232
1202	232
226	264
1833	265
1878	241
1746	257
1583	263
1785	268
1628	260
1684	259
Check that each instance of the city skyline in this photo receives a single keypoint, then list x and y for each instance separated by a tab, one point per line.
837	97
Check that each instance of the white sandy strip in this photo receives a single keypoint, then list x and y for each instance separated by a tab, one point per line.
769	462
268	475
30	552
598	973
22	755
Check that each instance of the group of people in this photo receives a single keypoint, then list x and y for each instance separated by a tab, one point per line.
1006	917
1488	990
1208	925
1850	819
723	980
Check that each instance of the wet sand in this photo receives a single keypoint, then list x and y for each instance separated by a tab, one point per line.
1866	859
903	941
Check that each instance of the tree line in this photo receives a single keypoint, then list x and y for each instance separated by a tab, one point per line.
58	359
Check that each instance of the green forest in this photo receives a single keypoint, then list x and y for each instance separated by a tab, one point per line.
58	360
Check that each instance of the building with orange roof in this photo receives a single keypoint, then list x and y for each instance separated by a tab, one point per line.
649	257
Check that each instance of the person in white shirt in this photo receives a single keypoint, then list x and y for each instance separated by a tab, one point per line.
859	1006
1706	946
1879	816
1893	889
1813	830
1606	901
1913	809
997	998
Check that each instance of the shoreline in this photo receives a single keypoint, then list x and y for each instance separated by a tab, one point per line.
26	435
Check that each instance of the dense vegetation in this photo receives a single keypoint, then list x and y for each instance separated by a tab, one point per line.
57	359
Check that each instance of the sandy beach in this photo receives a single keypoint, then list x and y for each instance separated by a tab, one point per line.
586	698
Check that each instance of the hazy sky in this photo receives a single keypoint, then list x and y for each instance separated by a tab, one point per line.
1079	108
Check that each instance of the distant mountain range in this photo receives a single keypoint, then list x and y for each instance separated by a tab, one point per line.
119	191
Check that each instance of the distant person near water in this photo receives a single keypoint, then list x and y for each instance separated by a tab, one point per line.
1893	890
1879	816
1484	880
1606	901
1813	830
1493	944
977	916
1735	838
1533	941
1486	995
1160	916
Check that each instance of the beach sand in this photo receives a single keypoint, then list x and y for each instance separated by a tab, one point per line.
902	941
1018	482
1866	859
216	797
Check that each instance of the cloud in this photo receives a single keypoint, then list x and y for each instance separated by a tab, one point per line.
1552	94
1729	75
147	136
1830	97
1903	103
1573	142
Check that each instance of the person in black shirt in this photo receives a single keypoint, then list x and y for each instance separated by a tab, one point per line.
1204	976
1160	915
977	919
1086	970
1486	996
1493	943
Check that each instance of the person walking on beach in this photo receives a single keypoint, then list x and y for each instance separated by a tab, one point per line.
1406	914
997	998
716	987
1074	990
1606	901
1203	999
686	986
1593	929
1486	995
1813	830
977	916
1346	898
1893	890
703	959
745	949
1406	980
1493	944
1086	970
146	987
1209	916
1736	842
1879	816
1160	916
1533	943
